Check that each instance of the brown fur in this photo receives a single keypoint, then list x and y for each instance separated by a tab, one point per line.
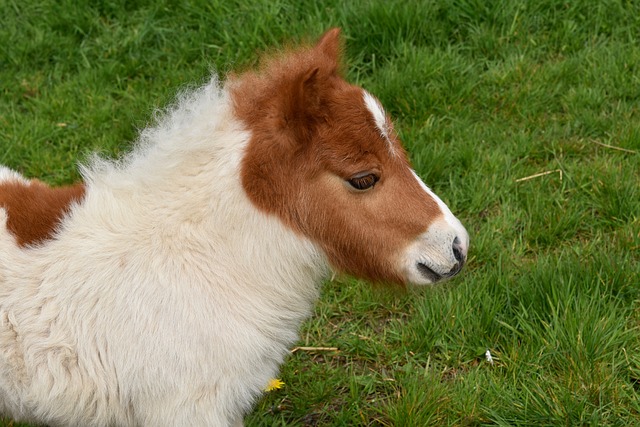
35	209
312	132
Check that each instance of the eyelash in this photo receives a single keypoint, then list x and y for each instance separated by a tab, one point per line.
363	182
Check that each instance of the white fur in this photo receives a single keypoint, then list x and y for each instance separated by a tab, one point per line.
379	117
7	174
434	247
449	218
167	298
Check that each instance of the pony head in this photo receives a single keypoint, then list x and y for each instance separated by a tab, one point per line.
324	158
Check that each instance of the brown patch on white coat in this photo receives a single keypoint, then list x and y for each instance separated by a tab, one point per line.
34	209
324	158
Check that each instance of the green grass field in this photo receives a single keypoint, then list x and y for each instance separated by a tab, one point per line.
523	116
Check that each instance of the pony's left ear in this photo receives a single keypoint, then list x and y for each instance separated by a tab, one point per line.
330	45
302	107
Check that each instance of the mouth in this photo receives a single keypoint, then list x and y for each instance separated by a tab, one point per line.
428	273
433	276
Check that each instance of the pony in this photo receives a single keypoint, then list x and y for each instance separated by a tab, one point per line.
166	288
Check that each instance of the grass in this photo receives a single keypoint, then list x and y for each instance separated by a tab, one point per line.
484	94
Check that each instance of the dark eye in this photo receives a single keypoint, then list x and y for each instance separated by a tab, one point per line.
363	182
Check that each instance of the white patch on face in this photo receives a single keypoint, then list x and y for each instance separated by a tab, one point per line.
433	249
448	216
379	116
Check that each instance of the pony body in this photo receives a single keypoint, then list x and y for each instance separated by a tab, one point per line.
175	283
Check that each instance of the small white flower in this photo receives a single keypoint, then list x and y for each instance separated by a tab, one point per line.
488	356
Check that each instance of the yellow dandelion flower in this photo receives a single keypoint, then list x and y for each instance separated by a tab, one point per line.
274	384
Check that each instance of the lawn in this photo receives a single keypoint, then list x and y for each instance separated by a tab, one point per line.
523	116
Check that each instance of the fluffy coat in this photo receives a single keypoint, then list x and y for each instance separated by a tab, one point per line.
199	316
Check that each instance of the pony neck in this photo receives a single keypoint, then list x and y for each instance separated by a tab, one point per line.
182	182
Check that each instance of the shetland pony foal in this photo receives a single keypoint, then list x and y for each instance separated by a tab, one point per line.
175	283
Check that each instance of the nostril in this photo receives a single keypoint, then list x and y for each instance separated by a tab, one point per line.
457	250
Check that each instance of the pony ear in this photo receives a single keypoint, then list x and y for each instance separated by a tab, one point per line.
302	105
330	45
302	108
